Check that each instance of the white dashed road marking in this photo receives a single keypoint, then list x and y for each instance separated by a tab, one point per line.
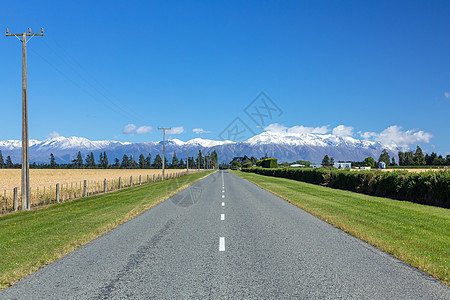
222	244
222	217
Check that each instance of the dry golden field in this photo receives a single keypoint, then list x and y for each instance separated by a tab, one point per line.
11	178
72	183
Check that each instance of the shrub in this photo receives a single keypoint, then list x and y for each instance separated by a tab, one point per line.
269	163
247	165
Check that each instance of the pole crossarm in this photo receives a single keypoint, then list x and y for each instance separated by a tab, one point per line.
21	34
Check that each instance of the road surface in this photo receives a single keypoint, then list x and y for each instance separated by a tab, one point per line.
225	238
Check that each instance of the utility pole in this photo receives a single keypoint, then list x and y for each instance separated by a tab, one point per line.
26	200
187	161
164	149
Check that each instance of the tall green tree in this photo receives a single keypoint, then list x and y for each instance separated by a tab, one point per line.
369	162
199	160
215	159
401	158
409	158
157	164
191	162
116	163
52	161
133	163
105	160
9	163
90	160
439	161
384	157
326	161
141	161
125	162
175	162
419	159
181	165
78	162
2	162
148	161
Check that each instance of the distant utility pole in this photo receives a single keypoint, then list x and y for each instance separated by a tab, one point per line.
187	161
164	149
26	200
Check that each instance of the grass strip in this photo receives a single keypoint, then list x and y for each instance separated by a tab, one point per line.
29	240
416	234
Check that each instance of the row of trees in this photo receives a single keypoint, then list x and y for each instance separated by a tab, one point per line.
127	162
239	161
6	164
417	158
411	158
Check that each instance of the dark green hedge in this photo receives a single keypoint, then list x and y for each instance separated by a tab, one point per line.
432	188
247	165
269	163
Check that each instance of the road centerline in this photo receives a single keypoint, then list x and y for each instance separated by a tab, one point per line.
222	244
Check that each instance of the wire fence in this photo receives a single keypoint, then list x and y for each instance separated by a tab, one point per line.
40	196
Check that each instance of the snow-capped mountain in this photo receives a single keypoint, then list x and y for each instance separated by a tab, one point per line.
283	145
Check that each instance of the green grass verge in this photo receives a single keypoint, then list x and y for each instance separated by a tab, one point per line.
30	240
417	234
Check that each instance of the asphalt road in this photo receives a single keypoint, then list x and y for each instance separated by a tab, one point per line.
225	238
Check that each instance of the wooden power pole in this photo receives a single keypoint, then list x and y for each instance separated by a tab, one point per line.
26	200
164	149
187	161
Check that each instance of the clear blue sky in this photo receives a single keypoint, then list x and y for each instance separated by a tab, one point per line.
367	65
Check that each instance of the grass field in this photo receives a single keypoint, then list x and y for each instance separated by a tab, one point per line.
29	240
417	234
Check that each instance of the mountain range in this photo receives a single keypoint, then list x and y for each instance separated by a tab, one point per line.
282	145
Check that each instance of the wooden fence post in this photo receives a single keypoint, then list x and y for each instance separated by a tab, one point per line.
120	183
131	180
104	185
57	192
16	199
140	179
85	188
